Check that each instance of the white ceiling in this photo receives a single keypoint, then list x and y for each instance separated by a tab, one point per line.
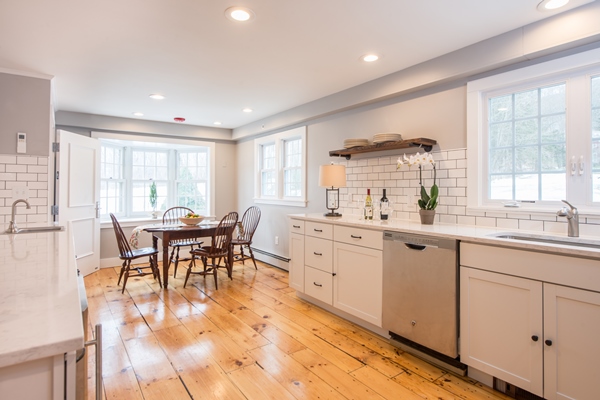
108	56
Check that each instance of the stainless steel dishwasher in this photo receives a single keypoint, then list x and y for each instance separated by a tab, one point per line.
420	290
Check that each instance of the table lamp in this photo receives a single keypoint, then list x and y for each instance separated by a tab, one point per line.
332	177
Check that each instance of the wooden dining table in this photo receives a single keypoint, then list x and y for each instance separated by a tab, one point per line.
167	233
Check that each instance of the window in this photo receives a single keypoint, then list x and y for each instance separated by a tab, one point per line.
533	135
182	171
281	168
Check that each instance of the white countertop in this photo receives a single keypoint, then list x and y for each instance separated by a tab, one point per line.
472	234
40	310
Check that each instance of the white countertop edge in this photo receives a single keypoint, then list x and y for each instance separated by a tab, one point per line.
42	351
466	233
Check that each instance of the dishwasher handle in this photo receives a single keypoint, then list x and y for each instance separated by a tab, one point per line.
415	246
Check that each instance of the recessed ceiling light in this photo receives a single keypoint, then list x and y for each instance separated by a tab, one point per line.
138	114
157	96
547	5
247	110
179	119
239	14
370	57
217	122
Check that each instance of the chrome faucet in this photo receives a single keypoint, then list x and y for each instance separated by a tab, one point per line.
12	226
572	218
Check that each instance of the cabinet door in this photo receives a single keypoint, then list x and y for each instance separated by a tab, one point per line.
296	277
501	327
357	281
572	325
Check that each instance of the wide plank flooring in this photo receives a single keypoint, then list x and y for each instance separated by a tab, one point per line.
251	339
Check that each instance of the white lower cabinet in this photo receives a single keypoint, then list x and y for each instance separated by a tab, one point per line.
318	284
357	281
296	277
539	336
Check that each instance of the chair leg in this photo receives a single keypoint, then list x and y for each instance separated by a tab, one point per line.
242	254
252	256
121	273
176	261
155	270
126	273
215	275
189	271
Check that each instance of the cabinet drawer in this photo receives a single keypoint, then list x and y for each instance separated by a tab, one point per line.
359	237
296	226
318	229
318	284
318	253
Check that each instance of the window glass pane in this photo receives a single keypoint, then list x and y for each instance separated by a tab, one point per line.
554	187
501	135
501	187
595	84
526	159
554	157
553	129
526	187
501	109
501	161
526	132
526	104
553	99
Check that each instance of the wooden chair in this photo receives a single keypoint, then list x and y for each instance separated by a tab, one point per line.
171	216
246	228
127	255
220	247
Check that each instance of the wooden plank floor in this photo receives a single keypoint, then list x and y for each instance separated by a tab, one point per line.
251	339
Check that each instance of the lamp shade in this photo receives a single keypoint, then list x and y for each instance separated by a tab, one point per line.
332	175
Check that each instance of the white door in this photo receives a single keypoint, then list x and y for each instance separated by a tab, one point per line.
78	184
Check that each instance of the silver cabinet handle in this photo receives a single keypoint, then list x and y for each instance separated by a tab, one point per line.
97	343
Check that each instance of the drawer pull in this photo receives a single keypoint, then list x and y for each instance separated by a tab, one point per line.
548	342
317	284
318	230
296	226
317	254
355	237
535	338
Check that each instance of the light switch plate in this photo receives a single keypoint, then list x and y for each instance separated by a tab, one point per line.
21	192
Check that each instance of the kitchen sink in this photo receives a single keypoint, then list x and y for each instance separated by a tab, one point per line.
563	241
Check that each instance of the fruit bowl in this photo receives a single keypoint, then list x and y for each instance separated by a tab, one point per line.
191	221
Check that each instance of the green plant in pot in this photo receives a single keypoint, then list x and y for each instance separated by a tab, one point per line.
153	198
429	199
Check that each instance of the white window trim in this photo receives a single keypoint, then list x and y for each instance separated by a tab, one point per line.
279	139
476	125
181	142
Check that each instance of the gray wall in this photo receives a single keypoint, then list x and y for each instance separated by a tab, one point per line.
436	115
24	107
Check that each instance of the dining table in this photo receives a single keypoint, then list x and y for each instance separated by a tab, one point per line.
167	233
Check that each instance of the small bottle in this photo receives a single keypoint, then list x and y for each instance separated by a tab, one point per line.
384	207
368	205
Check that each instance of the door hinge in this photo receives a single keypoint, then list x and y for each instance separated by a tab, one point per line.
54	210
55	147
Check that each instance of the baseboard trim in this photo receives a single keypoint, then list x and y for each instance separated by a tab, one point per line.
271	259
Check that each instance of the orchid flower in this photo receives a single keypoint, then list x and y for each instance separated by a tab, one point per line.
428	201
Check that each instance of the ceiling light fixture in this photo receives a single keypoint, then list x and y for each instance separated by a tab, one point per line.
239	14
370	58
217	123
157	96
549	5
179	119
138	114
247	110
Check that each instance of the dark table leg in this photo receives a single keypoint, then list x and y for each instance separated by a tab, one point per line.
165	262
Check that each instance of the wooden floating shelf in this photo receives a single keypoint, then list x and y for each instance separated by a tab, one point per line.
425	143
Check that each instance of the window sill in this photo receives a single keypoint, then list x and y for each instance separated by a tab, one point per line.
281	202
525	210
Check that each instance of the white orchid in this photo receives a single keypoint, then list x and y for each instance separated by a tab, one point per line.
427	201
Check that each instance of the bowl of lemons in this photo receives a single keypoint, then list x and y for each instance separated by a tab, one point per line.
191	219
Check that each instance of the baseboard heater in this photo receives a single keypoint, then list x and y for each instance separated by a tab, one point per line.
275	256
428	355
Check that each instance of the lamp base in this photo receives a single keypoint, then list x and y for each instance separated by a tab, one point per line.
332	214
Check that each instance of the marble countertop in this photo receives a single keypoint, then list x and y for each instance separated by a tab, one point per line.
472	234
40	309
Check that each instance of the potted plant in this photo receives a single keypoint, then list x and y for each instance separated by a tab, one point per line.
429	200
153	198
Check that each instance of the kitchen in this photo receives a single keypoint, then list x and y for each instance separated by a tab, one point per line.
410	112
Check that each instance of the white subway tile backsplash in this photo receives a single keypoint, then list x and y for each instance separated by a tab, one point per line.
27	160
466	220
507	223
531	225
485	221
5	159
16	168
8	176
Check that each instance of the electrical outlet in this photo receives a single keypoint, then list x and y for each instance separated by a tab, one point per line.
276	239
20	192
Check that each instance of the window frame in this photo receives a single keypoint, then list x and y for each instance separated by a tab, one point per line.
158	143
279	140
575	71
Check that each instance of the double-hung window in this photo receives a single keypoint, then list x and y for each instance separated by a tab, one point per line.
534	136
181	170
280	168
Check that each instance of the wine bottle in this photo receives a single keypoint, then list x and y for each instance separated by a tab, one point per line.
384	207
368	205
